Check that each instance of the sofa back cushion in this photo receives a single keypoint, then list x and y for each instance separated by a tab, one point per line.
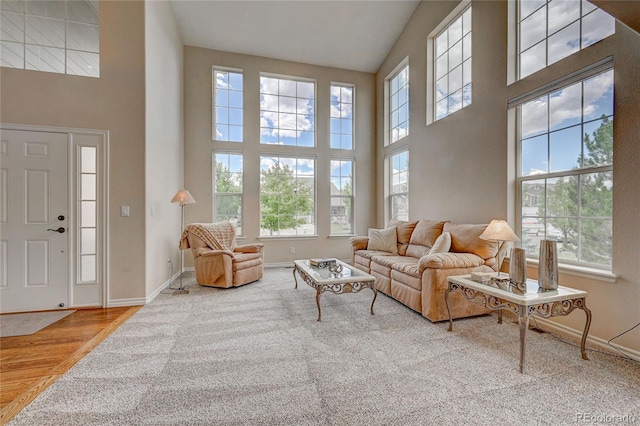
466	239
404	230
423	237
383	240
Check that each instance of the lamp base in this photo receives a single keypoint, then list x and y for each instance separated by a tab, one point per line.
177	291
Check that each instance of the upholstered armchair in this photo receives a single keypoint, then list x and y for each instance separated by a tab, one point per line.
218	261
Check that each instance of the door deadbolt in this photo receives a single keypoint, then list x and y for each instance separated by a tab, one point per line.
60	230
61	217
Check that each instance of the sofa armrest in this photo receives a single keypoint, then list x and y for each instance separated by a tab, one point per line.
449	261
249	248
359	243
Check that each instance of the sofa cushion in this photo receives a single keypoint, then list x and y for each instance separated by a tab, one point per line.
442	244
426	232
450	260
411	269
392	261
417	251
466	239
404	229
370	253
383	240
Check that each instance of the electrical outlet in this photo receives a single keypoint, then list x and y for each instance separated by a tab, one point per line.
292	250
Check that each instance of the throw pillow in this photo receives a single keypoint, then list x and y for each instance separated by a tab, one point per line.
442	244
383	240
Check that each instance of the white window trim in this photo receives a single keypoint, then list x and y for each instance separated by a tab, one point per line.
388	195
431	72
353	110
315	196
213	186
387	104
315	106
581	269
213	100
353	195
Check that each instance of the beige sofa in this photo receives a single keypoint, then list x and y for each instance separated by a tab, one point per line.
417	278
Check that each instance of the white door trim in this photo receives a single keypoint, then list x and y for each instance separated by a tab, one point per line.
103	191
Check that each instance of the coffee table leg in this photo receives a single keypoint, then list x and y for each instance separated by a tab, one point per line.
294	276
523	322
318	293
375	294
585	332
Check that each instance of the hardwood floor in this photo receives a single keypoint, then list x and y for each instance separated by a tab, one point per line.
30	364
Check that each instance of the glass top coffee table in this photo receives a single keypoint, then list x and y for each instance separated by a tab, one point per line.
348	280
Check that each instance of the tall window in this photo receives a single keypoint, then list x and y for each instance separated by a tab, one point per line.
452	62
54	36
341	196
287	196
550	30
566	170
399	186
399	104
287	111
342	116
227	106
227	198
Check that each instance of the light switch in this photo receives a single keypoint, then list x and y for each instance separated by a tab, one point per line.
124	211
153	210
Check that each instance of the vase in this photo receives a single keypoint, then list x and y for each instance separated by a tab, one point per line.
548	265
518	266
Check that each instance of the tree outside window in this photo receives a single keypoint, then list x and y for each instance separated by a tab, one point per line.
228	189
287	196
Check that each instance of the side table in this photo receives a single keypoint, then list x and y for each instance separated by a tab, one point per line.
524	302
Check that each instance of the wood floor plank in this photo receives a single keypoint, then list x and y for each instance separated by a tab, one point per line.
30	364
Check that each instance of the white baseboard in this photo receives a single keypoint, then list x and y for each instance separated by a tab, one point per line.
134	301
596	341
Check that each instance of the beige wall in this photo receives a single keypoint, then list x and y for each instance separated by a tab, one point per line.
113	102
164	141
199	147
459	168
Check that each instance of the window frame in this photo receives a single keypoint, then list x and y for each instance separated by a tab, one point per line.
331	117
280	156
38	50
214	107
579	21
342	197
580	76
388	112
392	195
457	14
239	233
296	80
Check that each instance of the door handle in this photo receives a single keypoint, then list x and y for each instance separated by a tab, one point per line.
60	230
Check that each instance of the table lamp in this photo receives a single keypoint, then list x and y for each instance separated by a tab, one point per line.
500	231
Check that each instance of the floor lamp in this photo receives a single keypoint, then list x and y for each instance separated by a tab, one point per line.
182	197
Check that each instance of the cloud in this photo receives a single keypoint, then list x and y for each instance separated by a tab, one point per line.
286	107
566	104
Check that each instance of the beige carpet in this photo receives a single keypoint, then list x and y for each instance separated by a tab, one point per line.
255	355
29	323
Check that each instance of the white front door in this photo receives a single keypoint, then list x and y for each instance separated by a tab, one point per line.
34	255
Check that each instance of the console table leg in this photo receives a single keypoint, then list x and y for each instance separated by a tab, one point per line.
523	322
446	302
585	332
375	294
318	293
294	276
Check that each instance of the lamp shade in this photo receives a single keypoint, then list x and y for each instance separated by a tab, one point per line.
499	230
183	197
